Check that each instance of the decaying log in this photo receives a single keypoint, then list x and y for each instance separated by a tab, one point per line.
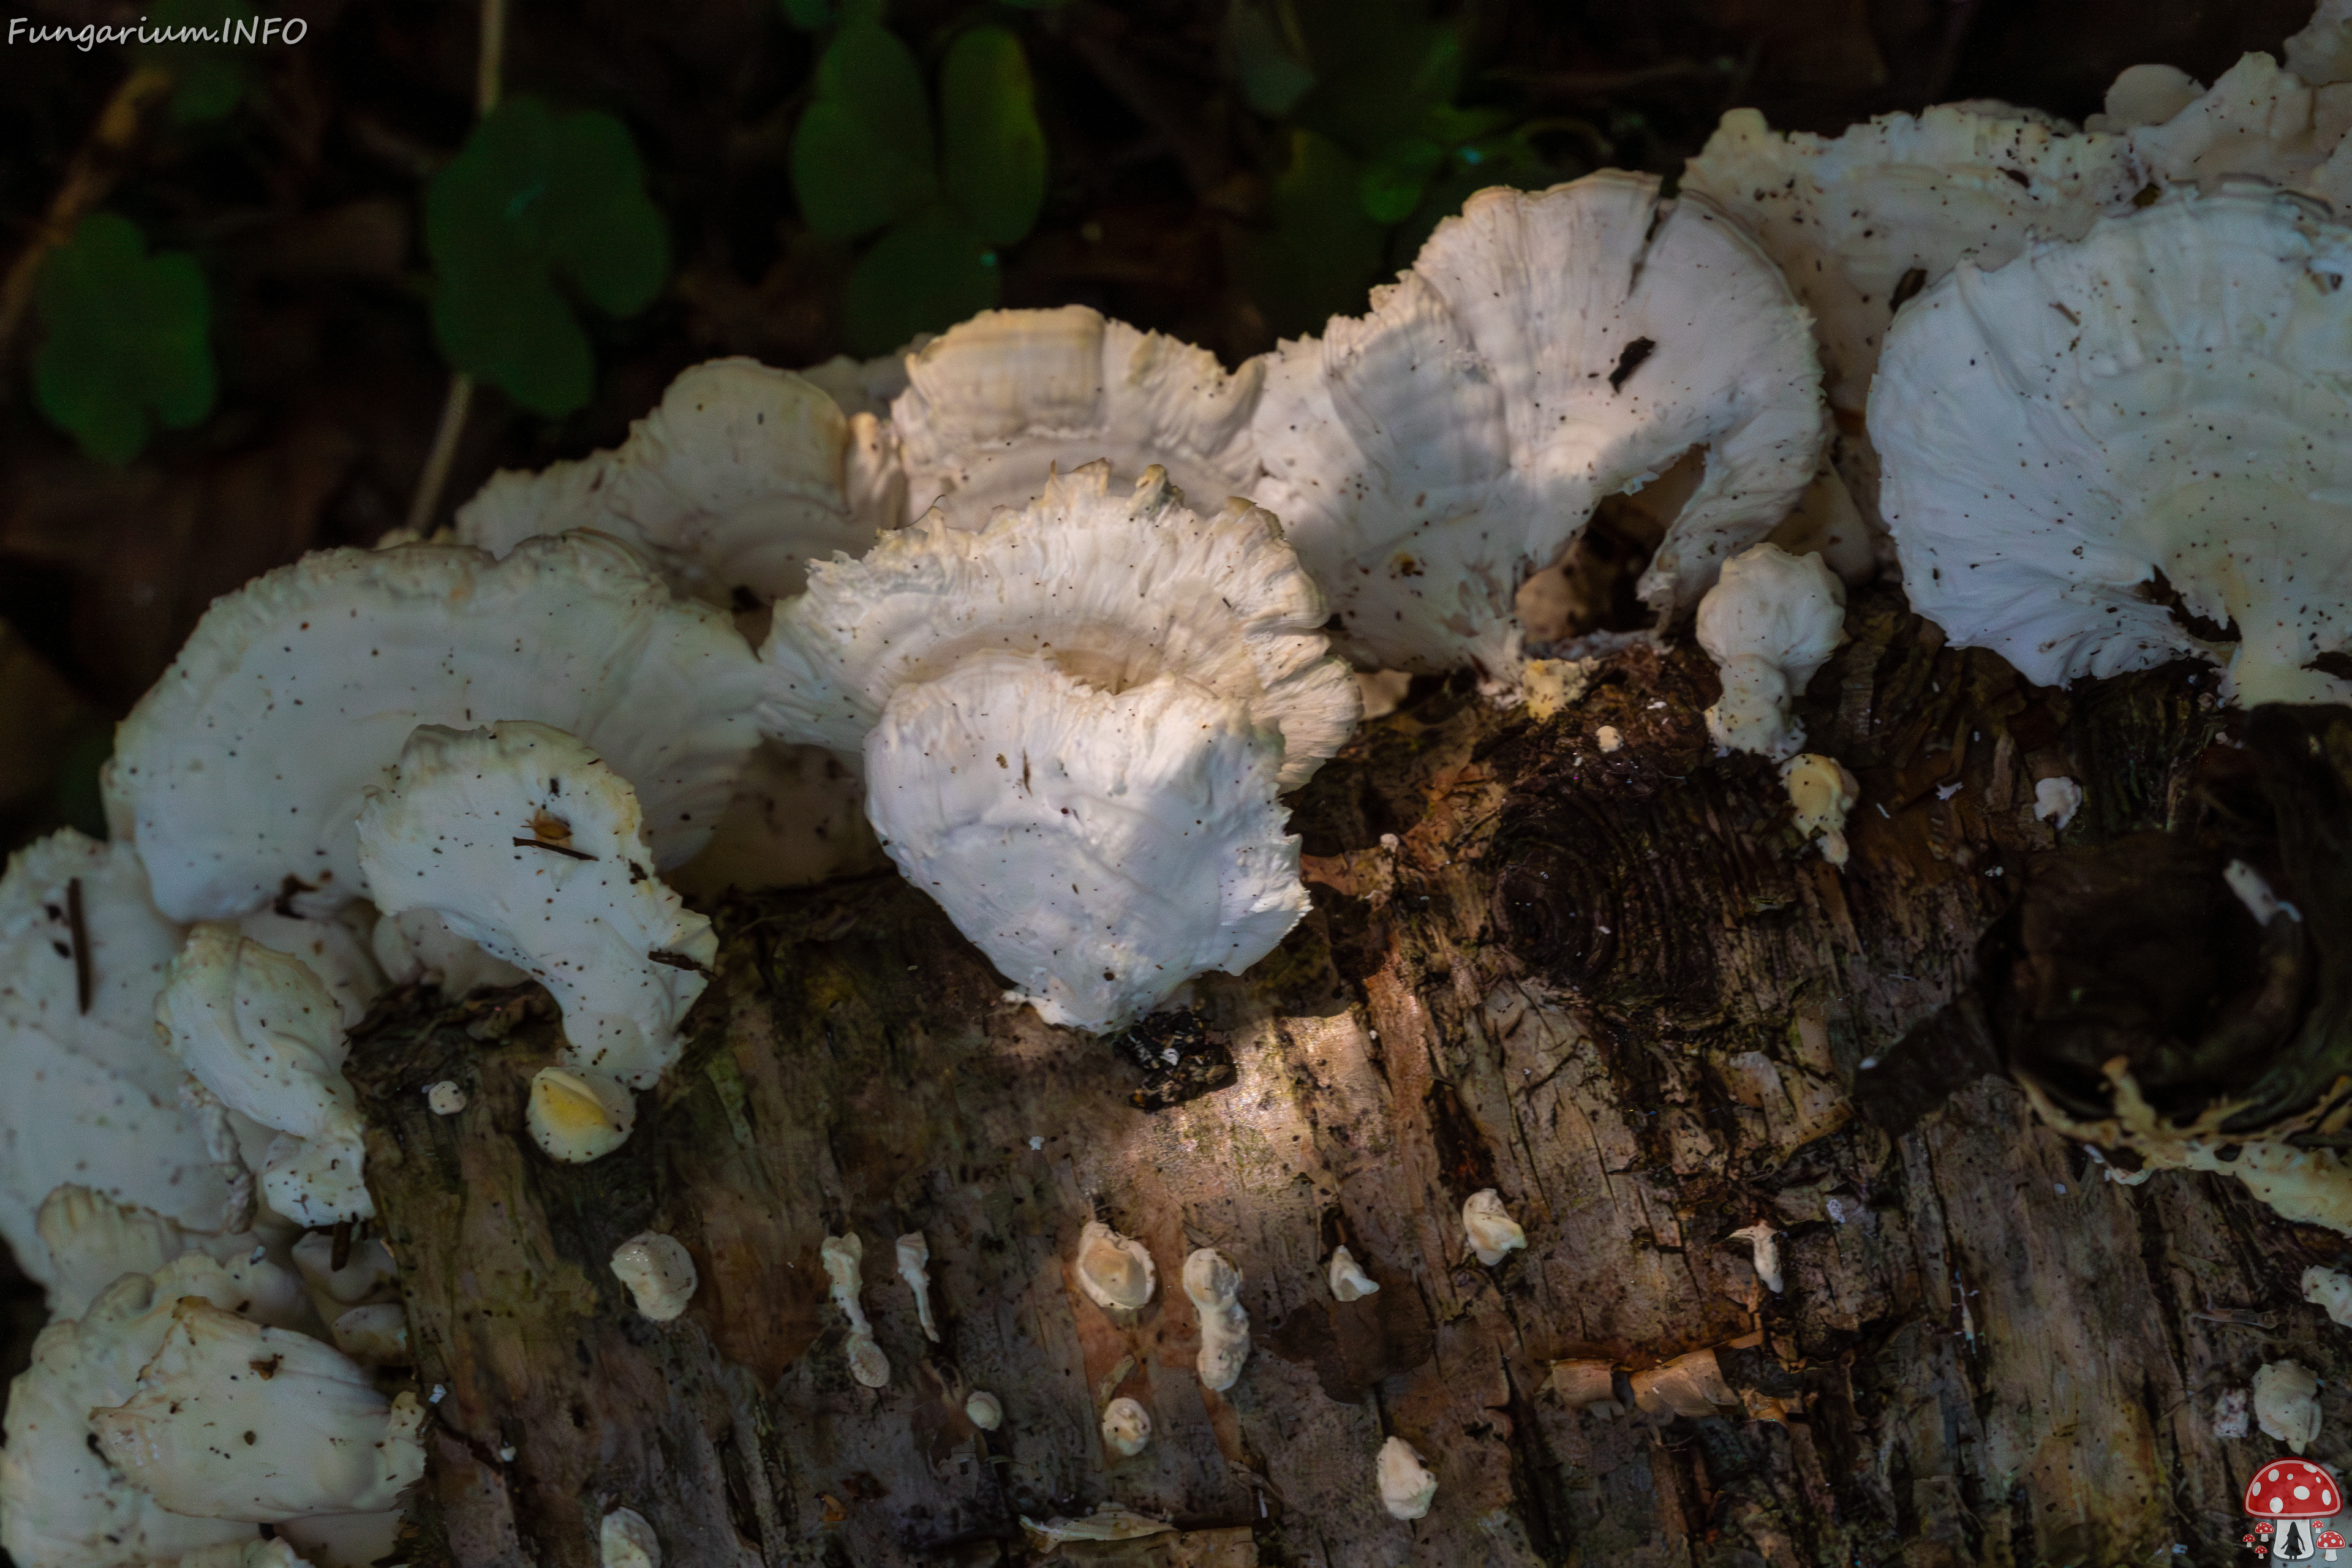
1612	986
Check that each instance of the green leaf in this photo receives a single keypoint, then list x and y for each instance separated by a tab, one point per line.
992	149
128	338
929	271
1381	66
1265	62
862	153
1319	256
1390	186
208	79
536	197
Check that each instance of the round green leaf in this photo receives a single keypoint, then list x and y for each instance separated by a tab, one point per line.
862	153
127	339
992	149
536	195
929	271
1392	184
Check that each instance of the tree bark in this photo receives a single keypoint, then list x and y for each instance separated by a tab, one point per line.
1614	985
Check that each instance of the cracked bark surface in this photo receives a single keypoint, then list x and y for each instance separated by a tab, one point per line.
1613	987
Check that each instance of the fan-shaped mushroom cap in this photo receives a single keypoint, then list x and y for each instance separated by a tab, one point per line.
265	1036
1115	1271
2286	1406
798	817
868	385
534	850
92	1241
1769	623
244	769
1101	848
1125	1427
2321	51
417	947
1545	352
2256	120
738	478
993	406
324	1440
1492	1232
1407	1489
2166	395
60	1500
578	1117
1112	589
97	1099
2144	95
339	950
1861	220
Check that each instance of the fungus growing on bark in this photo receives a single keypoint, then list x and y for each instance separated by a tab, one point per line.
2321	50
1769	623
625	1540
417	948
1546	350
1822	791
1407	1489
1349	1282
2162	398
2055	802
82	954
739	477
1214	1285
265	1036
844	1258
578	1117
1116	1272
2330	1289
993	405
2287	1403
445	1097
914	1252
1075	721
527	845
1125	1427
243	771
1765	1251
659	1273
2256	120
984	1410
1492	1232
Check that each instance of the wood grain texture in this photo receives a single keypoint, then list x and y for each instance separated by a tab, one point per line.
1612	986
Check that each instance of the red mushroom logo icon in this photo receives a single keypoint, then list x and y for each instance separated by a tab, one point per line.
2295	1495
2330	1543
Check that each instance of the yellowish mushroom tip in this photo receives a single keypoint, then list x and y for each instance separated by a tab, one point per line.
575	1119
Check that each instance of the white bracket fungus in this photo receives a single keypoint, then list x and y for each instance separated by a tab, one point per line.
2163	396
1823	791
1407	1489
1116	1272
843	1257
1125	1427
1545	352
1770	621
2287	1403
2055	802
739	477
578	1117
1097	694
659	1273
265	1036
2321	50
2330	1289
368	1274
1214	1285
2254	891
417	946
446	1098
91	1241
1349	1282
82	953
1491	1230
625	1540
2256	120
1764	1250
993	405
529	846
984	1410
242	772
914	1252
374	1335
325	1440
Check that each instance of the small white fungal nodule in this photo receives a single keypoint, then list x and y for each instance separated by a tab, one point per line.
1116	1273
2231	1420
2330	1289
1765	1250
626	1541
914	1252
1126	1427
844	1256
445	1097
1609	738
2287	1403
1490	1227
1349	1282
1406	1486
659	1273
1214	1285
2055	802
984	1410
